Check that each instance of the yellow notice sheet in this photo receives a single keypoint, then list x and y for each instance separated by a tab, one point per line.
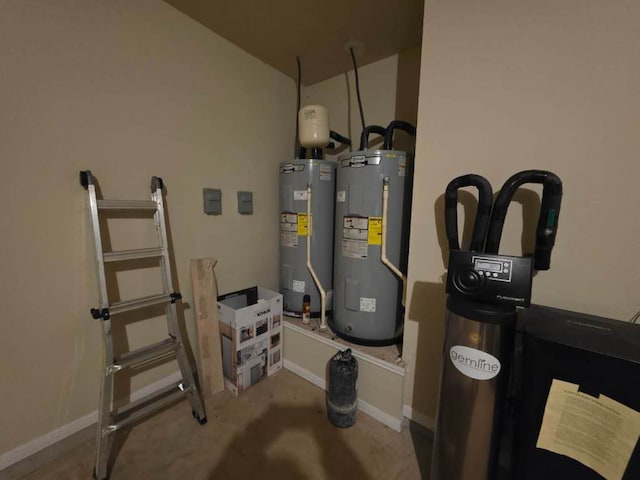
597	432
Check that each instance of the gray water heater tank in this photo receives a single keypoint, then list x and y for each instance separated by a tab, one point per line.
367	306
295	279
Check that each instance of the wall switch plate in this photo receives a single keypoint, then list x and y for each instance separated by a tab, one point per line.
245	203
212	198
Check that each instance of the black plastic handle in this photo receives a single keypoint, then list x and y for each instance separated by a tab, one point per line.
397	125
156	183
549	213
86	178
485	199
547	224
364	137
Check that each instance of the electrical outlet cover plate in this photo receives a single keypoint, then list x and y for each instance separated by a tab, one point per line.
245	203
212	199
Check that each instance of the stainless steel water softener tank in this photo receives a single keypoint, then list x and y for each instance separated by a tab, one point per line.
473	383
295	279
367	294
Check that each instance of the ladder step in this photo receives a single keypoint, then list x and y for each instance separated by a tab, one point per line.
134	411
127	205
146	353
133	254
120	307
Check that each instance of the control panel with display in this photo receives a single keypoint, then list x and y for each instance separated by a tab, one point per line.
490	278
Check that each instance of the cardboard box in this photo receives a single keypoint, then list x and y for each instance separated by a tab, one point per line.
251	332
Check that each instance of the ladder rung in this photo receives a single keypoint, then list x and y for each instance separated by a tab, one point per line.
148	352
120	307
158	400
127	205
133	254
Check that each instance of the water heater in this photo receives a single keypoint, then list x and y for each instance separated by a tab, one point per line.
296	179
371	243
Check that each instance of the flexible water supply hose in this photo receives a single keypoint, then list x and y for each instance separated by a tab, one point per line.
547	221
316	280
383	249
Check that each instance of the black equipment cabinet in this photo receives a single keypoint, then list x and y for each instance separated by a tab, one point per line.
600	355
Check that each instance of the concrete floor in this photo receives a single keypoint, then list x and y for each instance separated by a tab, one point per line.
276	430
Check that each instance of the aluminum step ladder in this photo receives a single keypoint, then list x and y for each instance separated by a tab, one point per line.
109	419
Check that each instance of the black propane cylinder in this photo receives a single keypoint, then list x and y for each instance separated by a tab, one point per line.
342	392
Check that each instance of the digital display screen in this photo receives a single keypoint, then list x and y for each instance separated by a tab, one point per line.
489	266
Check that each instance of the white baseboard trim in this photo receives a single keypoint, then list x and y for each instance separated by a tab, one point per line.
382	417
40	443
420	418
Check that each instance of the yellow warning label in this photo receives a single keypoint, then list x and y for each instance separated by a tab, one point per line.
303	225
375	231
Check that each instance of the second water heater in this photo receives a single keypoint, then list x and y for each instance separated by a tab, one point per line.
368	293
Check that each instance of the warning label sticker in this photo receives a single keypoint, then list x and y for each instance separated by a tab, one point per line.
354	248
367	304
341	196
355	232
299	194
402	168
289	230
303	225
298	286
360	223
325	172
375	231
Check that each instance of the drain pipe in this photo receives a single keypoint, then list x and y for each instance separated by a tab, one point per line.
323	294
383	249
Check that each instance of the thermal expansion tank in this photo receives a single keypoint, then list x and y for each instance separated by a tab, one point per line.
367	294
295	279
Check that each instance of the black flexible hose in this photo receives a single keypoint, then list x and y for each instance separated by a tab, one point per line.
364	138
547	221
339	138
397	125
355	70
300	151
485	199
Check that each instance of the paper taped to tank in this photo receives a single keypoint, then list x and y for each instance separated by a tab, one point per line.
600	433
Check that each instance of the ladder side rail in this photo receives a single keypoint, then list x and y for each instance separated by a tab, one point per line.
171	312
106	384
161	230
97	243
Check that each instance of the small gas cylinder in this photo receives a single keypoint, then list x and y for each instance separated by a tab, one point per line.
342	392
306	309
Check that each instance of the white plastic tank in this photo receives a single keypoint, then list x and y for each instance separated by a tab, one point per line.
313	121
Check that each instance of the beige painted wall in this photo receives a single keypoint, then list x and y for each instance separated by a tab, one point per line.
128	90
508	86
378	82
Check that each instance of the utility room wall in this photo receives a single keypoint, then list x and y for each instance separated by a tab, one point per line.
127	90
508	86
388	89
